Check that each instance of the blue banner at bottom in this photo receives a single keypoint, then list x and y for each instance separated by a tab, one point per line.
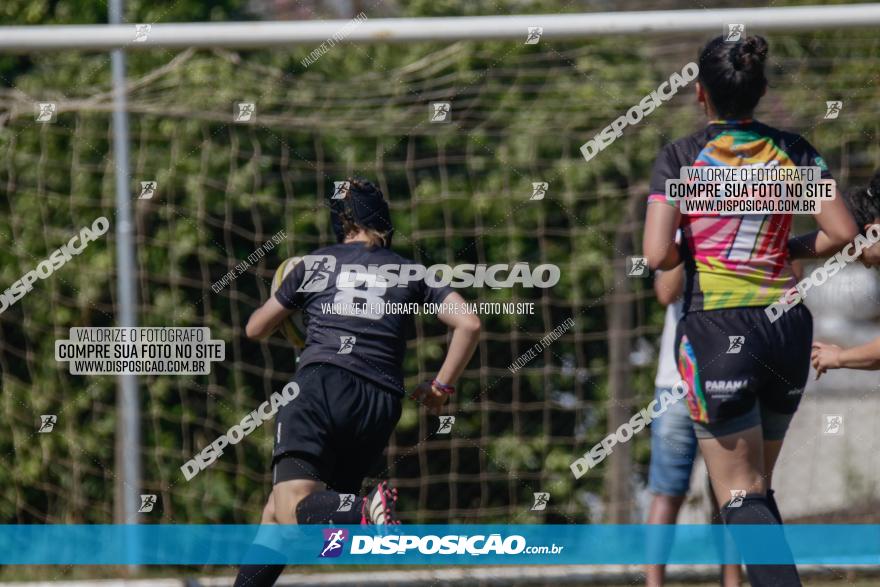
471	544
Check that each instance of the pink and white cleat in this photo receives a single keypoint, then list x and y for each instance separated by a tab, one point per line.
378	506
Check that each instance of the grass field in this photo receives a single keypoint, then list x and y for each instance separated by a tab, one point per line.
864	582
549	576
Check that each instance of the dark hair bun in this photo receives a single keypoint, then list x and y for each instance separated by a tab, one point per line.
874	187
733	74
750	53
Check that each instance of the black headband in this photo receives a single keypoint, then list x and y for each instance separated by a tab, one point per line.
366	209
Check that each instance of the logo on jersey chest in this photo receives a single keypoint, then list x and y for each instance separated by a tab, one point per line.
726	384
319	269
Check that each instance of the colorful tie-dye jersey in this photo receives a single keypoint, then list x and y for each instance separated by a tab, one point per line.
734	261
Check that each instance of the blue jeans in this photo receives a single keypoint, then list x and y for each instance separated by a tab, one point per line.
673	448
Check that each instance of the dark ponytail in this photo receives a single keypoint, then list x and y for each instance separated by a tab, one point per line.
864	202
733	74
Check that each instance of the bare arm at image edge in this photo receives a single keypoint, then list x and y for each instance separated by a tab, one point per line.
465	327
836	229
669	285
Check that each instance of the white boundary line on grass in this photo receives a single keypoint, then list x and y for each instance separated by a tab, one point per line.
489	575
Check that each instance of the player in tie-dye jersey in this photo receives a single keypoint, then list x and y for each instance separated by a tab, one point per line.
745	373
735	261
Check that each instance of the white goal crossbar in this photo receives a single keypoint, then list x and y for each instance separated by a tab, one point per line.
23	39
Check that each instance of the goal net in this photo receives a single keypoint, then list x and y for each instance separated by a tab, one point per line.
462	190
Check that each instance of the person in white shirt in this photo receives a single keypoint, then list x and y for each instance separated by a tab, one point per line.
673	442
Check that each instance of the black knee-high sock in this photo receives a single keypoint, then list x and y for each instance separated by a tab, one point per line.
263	575
756	510
323	507
771	503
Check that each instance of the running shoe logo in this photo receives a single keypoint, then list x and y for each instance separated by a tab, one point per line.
534	36
541	501
735	344
346	345
441	111
833	424
333	542
446	423
346	500
319	268
832	109
638	266
148	190
46	112
47	423
340	190
734	32
245	112
141	32
736	498
147	503
539	190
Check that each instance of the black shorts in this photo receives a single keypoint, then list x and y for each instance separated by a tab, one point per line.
335	431
743	370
